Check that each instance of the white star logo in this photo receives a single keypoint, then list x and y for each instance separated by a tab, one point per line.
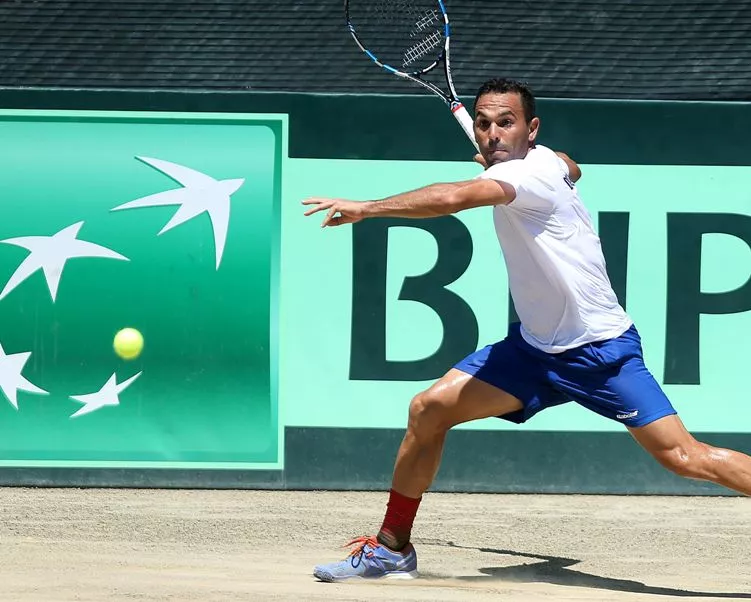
200	193
50	253
106	396
11	379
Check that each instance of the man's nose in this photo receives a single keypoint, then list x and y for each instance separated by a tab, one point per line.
494	132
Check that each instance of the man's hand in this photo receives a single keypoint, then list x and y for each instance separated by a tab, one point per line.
478	158
350	212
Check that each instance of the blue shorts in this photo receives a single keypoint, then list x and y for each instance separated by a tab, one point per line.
607	377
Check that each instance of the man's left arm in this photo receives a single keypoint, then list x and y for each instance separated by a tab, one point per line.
431	201
574	172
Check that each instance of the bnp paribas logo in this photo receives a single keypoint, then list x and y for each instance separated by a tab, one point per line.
200	193
196	194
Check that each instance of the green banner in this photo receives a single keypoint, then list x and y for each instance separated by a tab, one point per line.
190	228
167	223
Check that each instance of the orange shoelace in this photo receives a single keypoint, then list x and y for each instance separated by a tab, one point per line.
360	543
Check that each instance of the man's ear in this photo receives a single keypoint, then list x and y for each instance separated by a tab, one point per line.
534	128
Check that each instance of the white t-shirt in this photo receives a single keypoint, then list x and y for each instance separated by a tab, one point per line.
553	256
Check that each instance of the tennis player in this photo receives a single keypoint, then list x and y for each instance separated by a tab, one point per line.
574	342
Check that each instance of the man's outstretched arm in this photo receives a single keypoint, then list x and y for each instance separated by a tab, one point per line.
431	201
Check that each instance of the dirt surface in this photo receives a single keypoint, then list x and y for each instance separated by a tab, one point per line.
101	545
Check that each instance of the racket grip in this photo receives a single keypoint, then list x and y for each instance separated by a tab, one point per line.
467	123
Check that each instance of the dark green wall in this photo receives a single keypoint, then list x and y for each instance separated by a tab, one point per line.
473	461
419	127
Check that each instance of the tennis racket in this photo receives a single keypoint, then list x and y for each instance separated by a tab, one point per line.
408	38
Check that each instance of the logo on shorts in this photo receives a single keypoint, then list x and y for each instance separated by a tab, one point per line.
629	415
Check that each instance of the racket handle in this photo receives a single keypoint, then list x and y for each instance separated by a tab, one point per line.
467	123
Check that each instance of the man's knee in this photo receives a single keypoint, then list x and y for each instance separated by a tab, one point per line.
685	460
427	415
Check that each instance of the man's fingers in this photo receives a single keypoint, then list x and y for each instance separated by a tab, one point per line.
329	216
318	205
478	158
339	221
314	210
342	220
332	207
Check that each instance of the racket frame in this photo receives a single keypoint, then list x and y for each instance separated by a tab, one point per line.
451	98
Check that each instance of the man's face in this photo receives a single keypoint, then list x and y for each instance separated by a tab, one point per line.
501	130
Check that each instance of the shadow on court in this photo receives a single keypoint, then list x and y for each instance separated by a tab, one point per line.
556	571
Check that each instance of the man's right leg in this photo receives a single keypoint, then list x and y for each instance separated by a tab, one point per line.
456	398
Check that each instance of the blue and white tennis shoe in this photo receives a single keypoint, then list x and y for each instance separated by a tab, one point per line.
370	560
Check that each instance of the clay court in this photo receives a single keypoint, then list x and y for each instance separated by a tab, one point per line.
97	545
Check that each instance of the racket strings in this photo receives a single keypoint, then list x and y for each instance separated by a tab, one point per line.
405	34
422	48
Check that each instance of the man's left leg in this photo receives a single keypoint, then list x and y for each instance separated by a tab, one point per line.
619	386
668	441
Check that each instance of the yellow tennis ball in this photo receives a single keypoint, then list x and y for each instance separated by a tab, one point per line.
128	343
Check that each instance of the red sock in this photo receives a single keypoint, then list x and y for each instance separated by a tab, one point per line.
397	524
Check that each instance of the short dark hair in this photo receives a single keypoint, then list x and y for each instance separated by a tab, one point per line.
501	85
